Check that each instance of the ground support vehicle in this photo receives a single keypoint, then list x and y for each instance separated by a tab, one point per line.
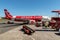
27	30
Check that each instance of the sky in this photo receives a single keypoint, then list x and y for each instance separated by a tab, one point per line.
29	7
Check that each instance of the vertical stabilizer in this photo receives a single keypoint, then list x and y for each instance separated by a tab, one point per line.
7	14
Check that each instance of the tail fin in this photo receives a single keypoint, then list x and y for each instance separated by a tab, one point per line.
7	14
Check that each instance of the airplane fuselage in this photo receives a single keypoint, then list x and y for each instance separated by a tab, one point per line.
28	17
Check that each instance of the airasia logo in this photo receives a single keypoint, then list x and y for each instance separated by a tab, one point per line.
31	16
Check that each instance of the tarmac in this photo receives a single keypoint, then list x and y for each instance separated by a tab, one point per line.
12	32
7	27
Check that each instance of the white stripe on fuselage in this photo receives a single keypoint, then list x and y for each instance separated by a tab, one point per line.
14	16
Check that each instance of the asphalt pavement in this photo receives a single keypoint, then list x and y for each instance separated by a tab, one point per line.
6	27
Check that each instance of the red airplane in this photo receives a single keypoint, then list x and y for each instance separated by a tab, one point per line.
27	19
57	11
